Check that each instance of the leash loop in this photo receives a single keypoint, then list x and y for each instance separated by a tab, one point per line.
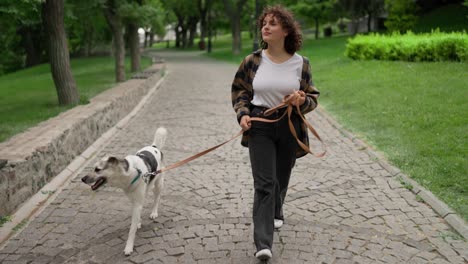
287	103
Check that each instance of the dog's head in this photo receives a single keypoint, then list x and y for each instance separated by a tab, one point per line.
106	170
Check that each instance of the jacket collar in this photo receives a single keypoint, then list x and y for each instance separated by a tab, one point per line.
257	52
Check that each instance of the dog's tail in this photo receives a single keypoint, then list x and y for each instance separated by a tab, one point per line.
160	137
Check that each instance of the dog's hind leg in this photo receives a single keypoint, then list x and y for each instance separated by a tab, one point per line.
136	213
157	190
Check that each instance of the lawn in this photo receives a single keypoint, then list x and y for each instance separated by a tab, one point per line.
28	97
415	113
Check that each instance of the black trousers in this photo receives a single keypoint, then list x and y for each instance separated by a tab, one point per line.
272	150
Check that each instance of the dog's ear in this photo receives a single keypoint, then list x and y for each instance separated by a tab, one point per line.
113	160
125	164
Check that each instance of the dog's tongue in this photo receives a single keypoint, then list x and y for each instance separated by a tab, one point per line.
100	181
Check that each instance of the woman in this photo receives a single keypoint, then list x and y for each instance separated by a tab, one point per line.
263	79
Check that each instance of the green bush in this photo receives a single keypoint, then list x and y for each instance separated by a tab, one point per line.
435	46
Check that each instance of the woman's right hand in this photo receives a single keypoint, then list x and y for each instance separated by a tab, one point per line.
245	122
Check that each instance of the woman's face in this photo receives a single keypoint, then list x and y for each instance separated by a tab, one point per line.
272	30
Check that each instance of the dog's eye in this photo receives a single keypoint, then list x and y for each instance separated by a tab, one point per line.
97	169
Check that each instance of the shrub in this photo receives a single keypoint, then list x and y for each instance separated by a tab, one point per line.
435	46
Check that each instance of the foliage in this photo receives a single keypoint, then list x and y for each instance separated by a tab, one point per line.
143	14
435	46
85	26
437	18
14	17
11	60
401	15
313	10
358	8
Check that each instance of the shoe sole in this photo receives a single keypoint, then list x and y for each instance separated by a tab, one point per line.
263	257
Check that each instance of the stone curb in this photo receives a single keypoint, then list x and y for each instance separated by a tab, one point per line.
442	209
38	202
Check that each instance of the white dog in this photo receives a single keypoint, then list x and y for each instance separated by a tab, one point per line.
135	175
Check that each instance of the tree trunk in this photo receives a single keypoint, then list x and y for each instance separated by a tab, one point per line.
369	20
192	25
52	17
210	31
183	35
151	39
89	43
145	44
134	46
115	24
178	32
236	35
30	39
234	11
203	24
316	27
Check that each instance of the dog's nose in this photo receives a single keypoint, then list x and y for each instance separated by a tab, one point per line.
85	179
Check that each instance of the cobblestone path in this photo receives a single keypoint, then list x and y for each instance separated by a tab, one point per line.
344	208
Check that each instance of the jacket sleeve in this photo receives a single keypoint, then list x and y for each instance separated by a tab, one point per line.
241	89
312	94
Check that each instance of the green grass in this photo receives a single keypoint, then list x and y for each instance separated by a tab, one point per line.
4	220
415	113
453	17
28	97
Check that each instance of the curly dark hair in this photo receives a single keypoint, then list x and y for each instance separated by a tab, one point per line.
293	40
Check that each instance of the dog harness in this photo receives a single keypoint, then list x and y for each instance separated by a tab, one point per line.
152	165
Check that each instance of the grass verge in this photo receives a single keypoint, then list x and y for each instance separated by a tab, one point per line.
28	97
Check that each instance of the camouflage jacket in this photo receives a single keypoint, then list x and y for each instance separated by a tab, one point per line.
242	94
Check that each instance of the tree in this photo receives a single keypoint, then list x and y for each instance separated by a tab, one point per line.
234	12
317	10
114	21
21	36
401	15
52	17
185	17
466	4
204	7
155	22
85	26
372	8
359	8
133	14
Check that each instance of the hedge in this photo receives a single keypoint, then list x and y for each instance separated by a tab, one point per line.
435	46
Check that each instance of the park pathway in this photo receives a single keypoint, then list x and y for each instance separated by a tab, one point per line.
343	208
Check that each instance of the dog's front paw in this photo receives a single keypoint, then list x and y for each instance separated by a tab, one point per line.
139	226
153	216
128	250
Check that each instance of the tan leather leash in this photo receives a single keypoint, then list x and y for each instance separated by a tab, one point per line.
287	102
182	162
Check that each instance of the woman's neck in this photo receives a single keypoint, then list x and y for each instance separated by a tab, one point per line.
277	54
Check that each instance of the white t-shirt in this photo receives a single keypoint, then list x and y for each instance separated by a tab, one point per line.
273	81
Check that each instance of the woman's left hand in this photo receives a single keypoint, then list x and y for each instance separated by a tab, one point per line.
299	98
